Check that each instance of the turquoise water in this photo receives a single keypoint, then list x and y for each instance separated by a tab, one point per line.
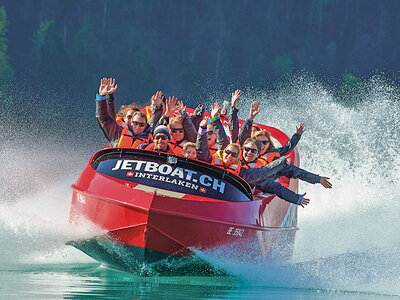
83	281
347	246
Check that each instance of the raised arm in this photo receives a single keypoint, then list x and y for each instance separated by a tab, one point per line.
222	138
245	130
289	146
197	116
203	152
190	131
156	109
233	119
107	124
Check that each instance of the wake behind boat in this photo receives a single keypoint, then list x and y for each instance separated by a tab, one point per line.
159	209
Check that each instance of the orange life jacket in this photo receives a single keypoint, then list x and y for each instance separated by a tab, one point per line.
270	156
212	149
151	148
127	140
177	147
233	168
120	121
258	163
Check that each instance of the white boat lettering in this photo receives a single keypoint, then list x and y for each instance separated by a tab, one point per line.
203	181
178	172
235	231
187	178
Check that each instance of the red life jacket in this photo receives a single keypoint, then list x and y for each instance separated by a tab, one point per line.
127	140
233	168
151	148
212	149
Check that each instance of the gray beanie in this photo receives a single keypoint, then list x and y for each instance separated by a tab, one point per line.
163	129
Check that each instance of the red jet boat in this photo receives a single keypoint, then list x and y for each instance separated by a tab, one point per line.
160	210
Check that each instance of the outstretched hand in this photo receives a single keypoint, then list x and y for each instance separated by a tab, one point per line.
300	129
215	109
254	110
325	182
171	106
181	108
304	201
107	86
204	122
157	98
235	97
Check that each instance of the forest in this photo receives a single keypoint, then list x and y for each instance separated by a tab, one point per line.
53	52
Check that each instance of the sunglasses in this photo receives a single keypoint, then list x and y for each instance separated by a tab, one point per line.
234	154
161	136
174	130
255	151
210	132
265	142
138	123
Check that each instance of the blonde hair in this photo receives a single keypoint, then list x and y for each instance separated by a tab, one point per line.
188	145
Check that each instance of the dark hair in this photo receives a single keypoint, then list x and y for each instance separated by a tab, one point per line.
140	114
255	141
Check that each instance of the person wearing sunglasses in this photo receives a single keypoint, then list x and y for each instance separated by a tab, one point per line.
268	150
179	126
134	134
162	137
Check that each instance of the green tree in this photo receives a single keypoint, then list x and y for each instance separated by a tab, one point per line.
49	56
6	71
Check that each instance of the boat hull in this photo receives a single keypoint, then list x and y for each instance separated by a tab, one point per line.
150	229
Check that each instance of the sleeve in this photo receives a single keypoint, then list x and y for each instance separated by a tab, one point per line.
233	122
222	138
197	116
156	112
111	105
289	146
109	126
252	175
292	171
190	131
203	152
245	131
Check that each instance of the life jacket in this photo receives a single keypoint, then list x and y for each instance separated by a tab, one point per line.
151	148
120	121
213	149
270	156
233	168
177	147
148	112
127	140
258	163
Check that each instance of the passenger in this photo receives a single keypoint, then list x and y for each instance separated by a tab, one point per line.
136	133
127	114
260	178
245	130
176	125
233	121
251	150
268	150
189	150
162	137
213	135
254	128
